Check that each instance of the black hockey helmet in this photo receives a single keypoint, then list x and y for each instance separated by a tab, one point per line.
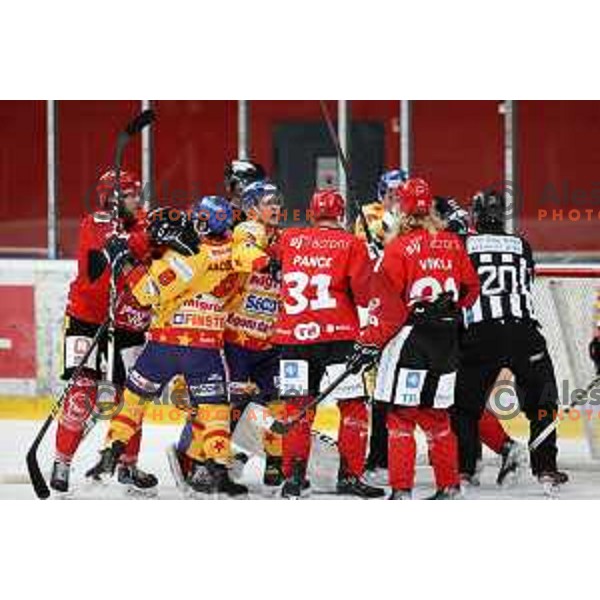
240	173
488	209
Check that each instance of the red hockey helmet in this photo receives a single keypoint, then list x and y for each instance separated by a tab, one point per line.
327	204
105	188
415	197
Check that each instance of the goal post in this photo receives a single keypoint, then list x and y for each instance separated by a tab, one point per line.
564	301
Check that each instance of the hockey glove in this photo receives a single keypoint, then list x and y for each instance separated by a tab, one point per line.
594	349
364	355
118	254
174	229
274	269
456	217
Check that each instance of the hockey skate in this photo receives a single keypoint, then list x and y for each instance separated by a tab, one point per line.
400	495
223	485
138	482
453	492
350	485
201	482
377	476
514	458
296	486
105	468
551	482
59	479
470	480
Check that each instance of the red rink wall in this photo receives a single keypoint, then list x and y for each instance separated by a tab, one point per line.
458	145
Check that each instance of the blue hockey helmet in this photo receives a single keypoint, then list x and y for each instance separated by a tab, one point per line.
213	215
390	180
256	191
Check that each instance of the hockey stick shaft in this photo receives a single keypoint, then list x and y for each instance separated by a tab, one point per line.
543	435
35	473
135	126
346	166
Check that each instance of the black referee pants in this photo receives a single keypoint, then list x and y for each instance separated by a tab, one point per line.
487	348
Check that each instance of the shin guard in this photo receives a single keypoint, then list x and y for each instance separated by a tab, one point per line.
79	403
353	435
402	448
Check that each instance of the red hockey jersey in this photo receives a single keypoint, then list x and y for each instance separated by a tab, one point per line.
89	291
417	266
325	275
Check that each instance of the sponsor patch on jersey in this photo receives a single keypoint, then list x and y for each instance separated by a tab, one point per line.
293	377
262	305
140	383
409	387
167	277
413	379
494	243
222	265
307	331
207	390
75	348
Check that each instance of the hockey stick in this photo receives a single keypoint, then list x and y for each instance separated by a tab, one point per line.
33	467
35	473
281	427
135	126
371	243
552	426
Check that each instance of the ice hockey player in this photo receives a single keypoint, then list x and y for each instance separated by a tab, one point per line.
323	280
503	332
424	278
87	309
252	361
387	201
491	433
238	175
377	215
188	290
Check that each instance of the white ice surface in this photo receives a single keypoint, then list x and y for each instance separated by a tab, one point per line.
16	436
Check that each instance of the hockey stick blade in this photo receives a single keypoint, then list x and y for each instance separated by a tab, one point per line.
552	426
140	121
41	489
135	126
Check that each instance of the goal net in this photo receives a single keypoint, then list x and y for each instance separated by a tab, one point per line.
564	301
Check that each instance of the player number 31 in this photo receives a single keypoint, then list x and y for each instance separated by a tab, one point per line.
298	283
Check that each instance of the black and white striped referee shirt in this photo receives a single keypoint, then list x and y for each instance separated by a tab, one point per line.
505	267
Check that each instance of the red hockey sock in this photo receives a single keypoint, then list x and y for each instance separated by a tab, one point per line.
443	447
132	450
79	403
353	435
296	441
491	432
402	448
